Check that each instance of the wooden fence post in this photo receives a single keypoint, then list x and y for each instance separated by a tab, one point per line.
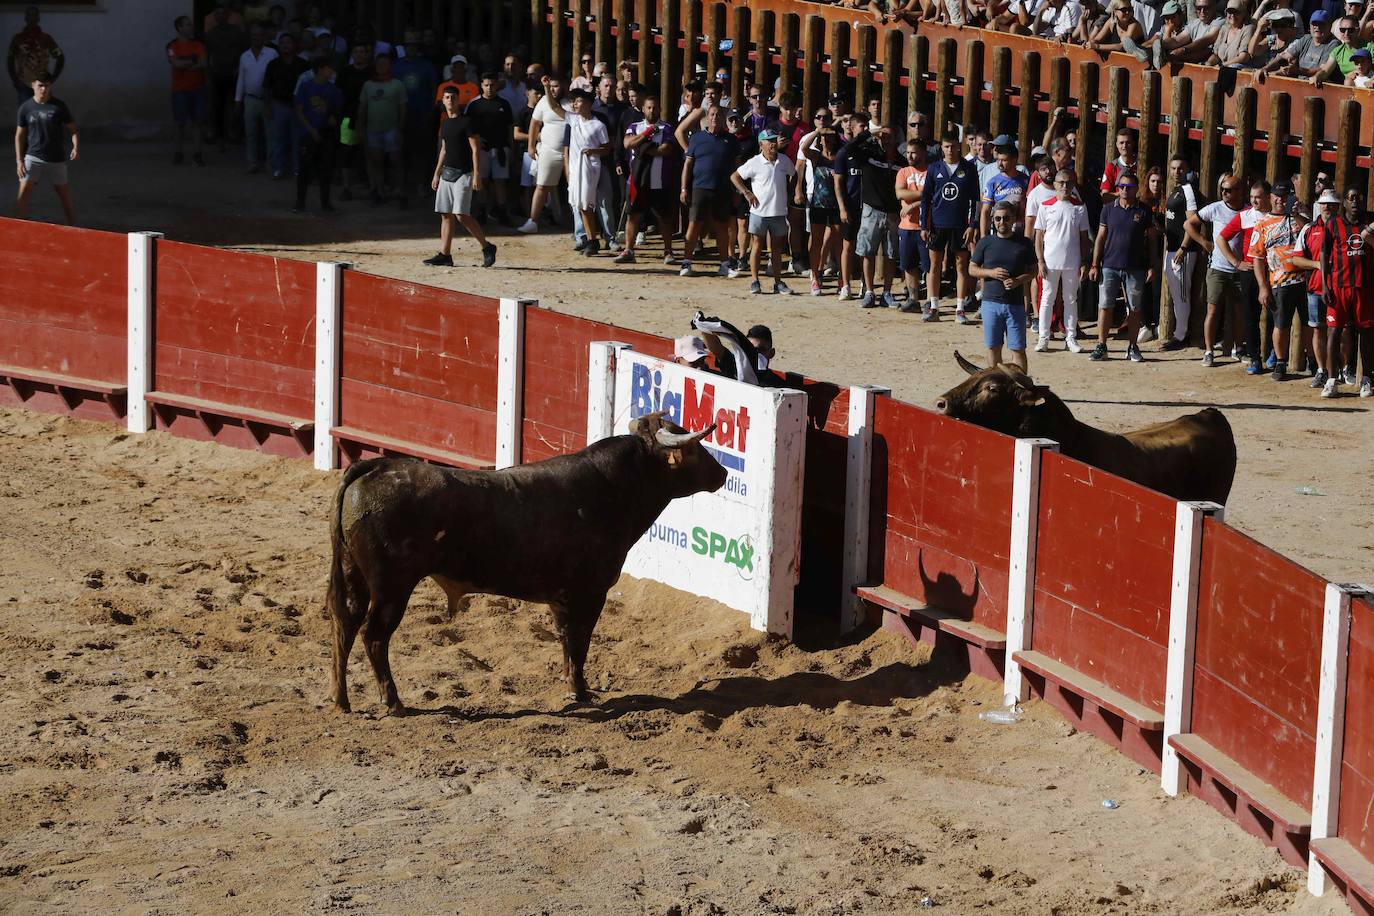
1209	166
622	30
1180	112
1313	113
1116	109
739	52
558	42
973	83
997	107
1246	103
1026	121
1150	145
645	18
1088	92
863	66
691	42
1278	138
605	40
918	60
839	46
787	55
1347	141
944	85
715	31
765	27
813	95
670	58
892	81
580	45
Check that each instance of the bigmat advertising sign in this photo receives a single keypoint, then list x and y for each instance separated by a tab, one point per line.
739	545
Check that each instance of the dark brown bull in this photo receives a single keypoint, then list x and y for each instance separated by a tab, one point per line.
555	531
1192	458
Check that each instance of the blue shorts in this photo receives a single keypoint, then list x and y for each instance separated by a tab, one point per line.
1316	312
1004	321
914	257
1114	282
188	106
388	141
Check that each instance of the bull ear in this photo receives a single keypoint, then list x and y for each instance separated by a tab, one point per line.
1032	395
646	425
964	364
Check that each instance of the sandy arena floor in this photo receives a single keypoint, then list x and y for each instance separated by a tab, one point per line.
165	746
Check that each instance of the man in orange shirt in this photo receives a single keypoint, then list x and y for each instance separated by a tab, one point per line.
467	90
187	57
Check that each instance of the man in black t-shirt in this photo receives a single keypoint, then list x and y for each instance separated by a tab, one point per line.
42	126
1180	252
1006	264
352	77
493	120
876	156
455	180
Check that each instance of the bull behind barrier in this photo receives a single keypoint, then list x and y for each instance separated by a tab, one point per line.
1190	458
556	532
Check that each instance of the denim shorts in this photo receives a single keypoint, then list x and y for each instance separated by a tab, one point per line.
1316	312
1114	281
767	225
1004	321
877	232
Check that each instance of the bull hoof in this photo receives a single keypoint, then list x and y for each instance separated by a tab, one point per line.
342	705
397	709
582	696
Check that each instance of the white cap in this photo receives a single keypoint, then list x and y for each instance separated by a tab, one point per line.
689	348
1328	197
458	59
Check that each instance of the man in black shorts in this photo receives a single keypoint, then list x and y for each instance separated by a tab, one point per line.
948	204
848	177
648	142
706	190
42	125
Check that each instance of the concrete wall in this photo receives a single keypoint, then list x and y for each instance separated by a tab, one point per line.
116	80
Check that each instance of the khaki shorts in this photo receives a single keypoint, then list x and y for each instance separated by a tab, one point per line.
1223	286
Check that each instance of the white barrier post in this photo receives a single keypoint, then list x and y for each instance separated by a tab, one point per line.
1326	778
601	388
142	246
510	381
1025	524
1178	678
858	497
328	340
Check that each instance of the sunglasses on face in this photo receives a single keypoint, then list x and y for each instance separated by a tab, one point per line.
1229	188
1126	185
821	116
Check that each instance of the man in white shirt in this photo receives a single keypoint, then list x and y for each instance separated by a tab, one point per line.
249	98
588	141
1062	247
763	182
647	141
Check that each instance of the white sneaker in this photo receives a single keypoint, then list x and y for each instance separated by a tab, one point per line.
686	270
1072	343
1146	334
1329	391
1366	388
734	271
528	227
639	239
844	295
1042	345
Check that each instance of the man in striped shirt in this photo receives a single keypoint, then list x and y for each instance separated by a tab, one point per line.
1336	249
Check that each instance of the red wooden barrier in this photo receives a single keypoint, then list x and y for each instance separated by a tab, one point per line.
1103	568
1255	683
235	347
556	355
63	308
418	372
944	490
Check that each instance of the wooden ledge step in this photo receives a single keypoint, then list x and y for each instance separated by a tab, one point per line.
202	408
1138	714
939	618
1264	797
389	445
1346	863
57	380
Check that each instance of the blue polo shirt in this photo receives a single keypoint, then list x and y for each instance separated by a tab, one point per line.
1125	248
713	158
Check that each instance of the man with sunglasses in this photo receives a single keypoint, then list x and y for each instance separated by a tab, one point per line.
1244	224
1062	248
1336	249
1124	256
1308	54
1223	284
1282	284
1005	262
1194	43
1340	62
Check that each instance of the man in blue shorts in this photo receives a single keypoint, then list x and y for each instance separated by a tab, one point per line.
1124	256
1006	264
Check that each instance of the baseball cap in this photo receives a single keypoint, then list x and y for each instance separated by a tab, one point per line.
1171	9
1328	197
1235	6
1279	16
1319	16
580	94
458	59
689	347
1361	54
837	97
1283	189
1003	140
768	134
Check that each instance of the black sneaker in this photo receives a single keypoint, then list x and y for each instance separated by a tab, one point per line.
1099	353
1280	371
439	260
581	245
488	254
1319	379
592	250
1171	345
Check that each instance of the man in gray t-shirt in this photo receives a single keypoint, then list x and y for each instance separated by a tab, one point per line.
1308	54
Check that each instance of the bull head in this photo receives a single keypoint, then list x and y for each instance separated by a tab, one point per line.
680	449
996	398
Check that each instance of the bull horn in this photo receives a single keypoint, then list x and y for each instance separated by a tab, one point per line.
682	440
964	364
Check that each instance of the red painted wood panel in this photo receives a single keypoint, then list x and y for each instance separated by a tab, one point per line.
1258	658
419	364
235	327
1356	824
64	300
944	488
556	357
1103	573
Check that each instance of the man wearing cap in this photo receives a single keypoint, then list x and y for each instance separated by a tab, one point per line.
707	164
467	89
1005	262
457	175
1282	285
1009	184
588	141
763	182
1308	54
1194	44
690	351
1062	249
1335	249
1341	61
1124	256
1274	34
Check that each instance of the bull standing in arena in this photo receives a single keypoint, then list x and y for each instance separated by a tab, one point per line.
555	531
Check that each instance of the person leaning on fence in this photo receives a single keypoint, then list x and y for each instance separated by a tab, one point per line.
1005	262
1124	256
1223	284
1307	55
1063	249
1340	62
763	181
1282	285
42	127
456	178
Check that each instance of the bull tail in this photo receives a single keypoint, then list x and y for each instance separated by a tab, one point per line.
335	596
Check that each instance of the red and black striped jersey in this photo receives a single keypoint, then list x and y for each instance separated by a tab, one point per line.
1343	254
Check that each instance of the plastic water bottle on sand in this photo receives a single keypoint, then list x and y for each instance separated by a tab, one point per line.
1007	715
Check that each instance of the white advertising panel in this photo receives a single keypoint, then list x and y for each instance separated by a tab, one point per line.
741	544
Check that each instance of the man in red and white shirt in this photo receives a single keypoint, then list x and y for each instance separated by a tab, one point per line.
1125	161
1335	250
1282	285
1243	224
1062	247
